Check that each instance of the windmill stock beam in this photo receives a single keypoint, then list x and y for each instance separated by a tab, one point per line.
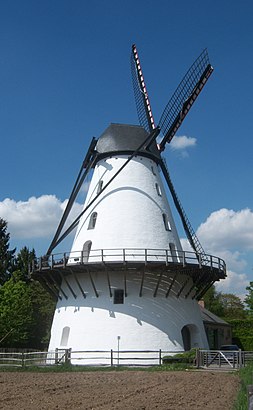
85	169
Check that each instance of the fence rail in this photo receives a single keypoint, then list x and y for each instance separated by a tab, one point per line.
211	359
88	358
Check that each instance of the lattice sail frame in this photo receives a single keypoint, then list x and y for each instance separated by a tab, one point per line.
184	97
143	106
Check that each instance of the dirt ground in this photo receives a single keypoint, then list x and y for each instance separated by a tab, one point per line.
118	390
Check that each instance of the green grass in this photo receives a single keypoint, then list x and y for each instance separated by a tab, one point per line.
246	378
72	368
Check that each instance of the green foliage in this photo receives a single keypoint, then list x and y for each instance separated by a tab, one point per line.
225	305
242	333
6	255
26	312
246	379
22	262
212	301
249	298
179	358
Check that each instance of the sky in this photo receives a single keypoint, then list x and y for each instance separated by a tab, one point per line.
65	76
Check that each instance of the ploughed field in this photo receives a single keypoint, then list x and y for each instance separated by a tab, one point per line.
118	390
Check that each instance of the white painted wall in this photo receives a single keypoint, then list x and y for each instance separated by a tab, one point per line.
129	211
129	215
143	323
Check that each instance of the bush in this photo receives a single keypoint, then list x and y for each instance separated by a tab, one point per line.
185	357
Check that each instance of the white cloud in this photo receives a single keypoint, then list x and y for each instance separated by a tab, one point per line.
182	142
228	234
228	229
35	218
234	283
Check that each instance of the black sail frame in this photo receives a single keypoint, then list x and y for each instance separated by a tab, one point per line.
184	97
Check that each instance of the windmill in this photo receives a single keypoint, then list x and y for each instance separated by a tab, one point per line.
126	277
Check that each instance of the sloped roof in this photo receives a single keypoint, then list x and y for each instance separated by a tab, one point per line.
211	318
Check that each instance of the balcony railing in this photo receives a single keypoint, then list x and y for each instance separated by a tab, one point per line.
129	256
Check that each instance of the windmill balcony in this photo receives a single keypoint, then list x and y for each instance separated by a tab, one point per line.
185	271
131	258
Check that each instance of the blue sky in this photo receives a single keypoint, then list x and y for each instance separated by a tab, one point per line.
65	75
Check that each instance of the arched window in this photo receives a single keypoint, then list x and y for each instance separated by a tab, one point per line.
65	336
93	220
158	189
186	336
166	222
100	186
86	251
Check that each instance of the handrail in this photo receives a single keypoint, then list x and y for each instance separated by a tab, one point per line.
129	255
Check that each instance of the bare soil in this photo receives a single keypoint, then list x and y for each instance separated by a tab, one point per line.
118	390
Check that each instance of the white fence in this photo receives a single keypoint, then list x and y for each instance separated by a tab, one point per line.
85	358
208	359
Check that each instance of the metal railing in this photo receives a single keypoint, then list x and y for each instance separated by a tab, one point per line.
129	255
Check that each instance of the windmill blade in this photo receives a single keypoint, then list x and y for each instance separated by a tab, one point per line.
84	171
191	235
184	97
143	106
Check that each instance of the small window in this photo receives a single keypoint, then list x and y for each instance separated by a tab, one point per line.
166	222
153	171
93	220
118	297
100	186
158	190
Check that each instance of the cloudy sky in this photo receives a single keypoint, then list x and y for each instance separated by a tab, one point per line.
65	75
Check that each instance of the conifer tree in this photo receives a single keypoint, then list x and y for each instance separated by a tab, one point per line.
6	255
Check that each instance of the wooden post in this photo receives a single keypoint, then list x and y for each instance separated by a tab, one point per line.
111	357
56	356
160	357
250	397
23	359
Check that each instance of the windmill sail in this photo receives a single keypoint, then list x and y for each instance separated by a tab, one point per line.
140	93
184	97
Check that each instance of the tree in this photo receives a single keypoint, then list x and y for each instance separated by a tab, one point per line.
26	312
213	302
233	307
23	261
15	313
6	255
249	298
226	305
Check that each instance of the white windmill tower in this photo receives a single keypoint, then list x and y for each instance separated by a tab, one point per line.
127	277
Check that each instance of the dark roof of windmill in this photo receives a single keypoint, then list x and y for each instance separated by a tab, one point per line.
120	138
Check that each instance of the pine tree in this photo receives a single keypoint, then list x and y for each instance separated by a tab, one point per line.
6	255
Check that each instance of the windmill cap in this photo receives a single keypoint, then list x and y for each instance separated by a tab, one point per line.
124	138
